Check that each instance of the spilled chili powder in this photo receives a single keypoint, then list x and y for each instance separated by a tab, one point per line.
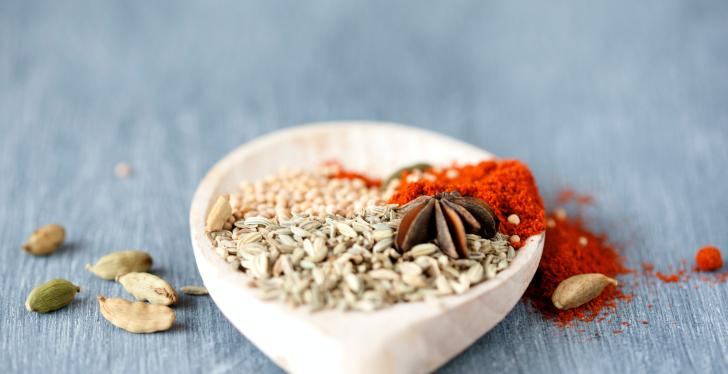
570	248
565	255
506	185
708	259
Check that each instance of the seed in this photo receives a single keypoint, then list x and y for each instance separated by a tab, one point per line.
475	273
346	230
219	214
119	263
45	240
50	296
443	286
194	290
414	280
560	214
583	241
514	219
424	249
379	235
148	287
409	268
550	223
122	170
136	317
353	282
515	239
580	289
384	274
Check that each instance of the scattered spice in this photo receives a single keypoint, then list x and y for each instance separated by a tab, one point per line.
708	259
52	295
506	185
148	287
194	290
116	264
670	278
578	290
45	240
563	256
137	317
122	170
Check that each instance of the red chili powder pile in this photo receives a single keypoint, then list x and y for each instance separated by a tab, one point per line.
572	249
507	186
708	259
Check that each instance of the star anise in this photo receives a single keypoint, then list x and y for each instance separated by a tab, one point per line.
447	216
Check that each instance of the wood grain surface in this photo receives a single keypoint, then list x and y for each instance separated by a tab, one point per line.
624	100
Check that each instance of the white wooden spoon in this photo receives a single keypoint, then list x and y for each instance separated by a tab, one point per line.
405	338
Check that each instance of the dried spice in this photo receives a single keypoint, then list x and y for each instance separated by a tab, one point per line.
116	264
349	263
708	259
578	290
564	256
45	240
52	295
148	287
219	214
136	317
194	290
447	216
397	175
341	173
507	186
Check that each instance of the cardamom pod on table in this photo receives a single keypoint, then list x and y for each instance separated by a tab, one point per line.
148	287
137	317
119	263
45	240
52	295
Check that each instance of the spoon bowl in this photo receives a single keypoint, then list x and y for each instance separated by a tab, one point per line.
403	338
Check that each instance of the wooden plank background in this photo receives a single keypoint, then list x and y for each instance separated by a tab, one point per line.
625	100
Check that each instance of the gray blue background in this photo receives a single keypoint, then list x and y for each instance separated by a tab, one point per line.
626	100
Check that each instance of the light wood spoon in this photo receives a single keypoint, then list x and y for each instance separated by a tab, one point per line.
405	338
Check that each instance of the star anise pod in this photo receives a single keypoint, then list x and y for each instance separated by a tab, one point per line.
447	216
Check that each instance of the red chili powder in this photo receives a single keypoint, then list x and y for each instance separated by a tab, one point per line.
564	255
671	278
708	259
506	185
342	173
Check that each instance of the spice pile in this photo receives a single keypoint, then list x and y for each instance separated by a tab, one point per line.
507	186
326	239
571	249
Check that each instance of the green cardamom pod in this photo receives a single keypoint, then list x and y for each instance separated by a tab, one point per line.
50	296
119	263
398	174
45	240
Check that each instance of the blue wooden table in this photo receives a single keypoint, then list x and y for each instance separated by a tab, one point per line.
625	100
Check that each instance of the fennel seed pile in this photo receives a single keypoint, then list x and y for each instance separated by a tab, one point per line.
350	263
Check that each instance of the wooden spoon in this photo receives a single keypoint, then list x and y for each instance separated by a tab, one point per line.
404	338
